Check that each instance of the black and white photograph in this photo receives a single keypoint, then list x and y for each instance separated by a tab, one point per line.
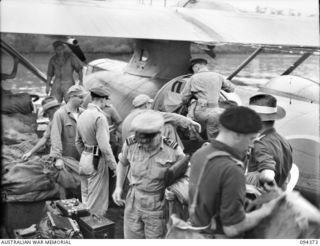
159	119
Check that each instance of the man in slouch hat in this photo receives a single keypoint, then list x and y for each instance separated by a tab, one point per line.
271	156
49	106
92	141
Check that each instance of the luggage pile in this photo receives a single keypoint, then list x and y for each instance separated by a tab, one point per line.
68	219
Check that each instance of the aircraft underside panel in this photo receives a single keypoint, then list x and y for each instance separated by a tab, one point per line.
124	88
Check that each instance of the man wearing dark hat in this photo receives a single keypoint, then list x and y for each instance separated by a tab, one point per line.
61	67
271	156
149	155
217	182
92	142
49	106
205	86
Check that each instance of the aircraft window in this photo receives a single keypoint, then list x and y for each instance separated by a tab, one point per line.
144	56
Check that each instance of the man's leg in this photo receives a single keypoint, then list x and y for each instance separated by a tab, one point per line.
212	123
98	189
133	226
84	189
154	217
155	224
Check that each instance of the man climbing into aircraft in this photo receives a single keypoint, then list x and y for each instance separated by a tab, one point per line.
271	156
61	67
205	86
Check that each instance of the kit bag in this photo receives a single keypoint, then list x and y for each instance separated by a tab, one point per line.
180	229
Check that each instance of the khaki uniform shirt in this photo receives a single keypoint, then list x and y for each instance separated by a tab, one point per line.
147	169
63	134
206	86
93	130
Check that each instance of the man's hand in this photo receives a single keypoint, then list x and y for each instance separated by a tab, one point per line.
169	195
116	196
114	173
26	156
196	126
59	164
272	188
266	175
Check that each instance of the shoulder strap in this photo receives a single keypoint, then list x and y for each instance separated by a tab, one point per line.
208	158
259	137
250	153
171	143
131	140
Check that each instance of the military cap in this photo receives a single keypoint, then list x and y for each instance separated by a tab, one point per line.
149	121
241	120
195	61
141	99
100	91
266	106
76	90
57	43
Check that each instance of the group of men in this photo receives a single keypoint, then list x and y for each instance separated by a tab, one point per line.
216	173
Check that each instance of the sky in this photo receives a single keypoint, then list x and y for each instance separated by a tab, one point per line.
305	7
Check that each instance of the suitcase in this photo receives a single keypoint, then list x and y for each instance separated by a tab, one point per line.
72	208
95	227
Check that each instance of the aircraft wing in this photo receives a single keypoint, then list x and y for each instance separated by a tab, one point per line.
97	18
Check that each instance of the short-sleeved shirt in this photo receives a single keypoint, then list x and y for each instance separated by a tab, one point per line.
222	188
206	86
147	169
63	71
271	151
